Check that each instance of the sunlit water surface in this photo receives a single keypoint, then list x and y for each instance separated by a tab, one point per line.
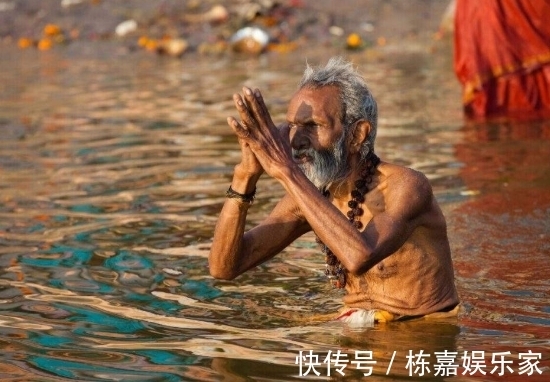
113	168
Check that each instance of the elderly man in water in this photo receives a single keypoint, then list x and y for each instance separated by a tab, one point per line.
378	224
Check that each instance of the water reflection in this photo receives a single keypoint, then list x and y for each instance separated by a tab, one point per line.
113	169
506	225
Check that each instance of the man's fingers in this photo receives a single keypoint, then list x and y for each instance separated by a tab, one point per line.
251	102
261	104
238	128
257	106
243	110
284	129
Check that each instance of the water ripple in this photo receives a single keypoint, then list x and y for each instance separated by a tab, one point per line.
113	170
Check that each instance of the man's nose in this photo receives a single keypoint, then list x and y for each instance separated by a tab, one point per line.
298	140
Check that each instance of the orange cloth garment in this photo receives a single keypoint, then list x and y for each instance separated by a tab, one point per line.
502	56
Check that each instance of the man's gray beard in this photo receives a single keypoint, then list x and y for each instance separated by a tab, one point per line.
327	166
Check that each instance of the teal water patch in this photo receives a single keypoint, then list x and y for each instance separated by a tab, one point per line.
89	286
83	236
88	208
60	218
134	270
126	261
49	341
143	203
104	322
200	289
163	357
36	228
68	257
80	370
155	303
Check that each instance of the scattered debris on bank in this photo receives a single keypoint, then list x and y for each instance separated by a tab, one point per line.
212	27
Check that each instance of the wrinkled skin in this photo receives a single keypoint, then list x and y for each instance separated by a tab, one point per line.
399	262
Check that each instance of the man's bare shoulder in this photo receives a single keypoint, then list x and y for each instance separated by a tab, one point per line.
405	179
405	188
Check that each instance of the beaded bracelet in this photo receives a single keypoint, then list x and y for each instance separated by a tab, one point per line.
244	198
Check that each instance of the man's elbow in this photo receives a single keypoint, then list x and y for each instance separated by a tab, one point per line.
222	274
357	268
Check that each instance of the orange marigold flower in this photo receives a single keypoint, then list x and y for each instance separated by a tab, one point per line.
45	44
25	42
52	30
354	41
151	45
142	41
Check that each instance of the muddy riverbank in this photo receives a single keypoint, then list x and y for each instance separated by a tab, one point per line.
208	26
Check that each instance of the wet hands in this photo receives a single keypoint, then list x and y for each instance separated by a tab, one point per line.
258	135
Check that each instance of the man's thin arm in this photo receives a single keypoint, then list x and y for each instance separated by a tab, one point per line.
410	204
229	230
233	251
385	233
332	227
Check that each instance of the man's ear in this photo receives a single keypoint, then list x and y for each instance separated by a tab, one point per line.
359	135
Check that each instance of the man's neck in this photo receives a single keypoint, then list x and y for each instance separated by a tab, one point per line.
341	191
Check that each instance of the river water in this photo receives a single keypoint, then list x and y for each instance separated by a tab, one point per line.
113	168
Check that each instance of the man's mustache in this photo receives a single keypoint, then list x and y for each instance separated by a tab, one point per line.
310	152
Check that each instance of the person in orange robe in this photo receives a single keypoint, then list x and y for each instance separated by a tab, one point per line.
502	57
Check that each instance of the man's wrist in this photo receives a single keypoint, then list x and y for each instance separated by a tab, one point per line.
243	181
288	173
243	198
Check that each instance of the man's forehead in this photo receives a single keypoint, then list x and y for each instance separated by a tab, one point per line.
309	103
